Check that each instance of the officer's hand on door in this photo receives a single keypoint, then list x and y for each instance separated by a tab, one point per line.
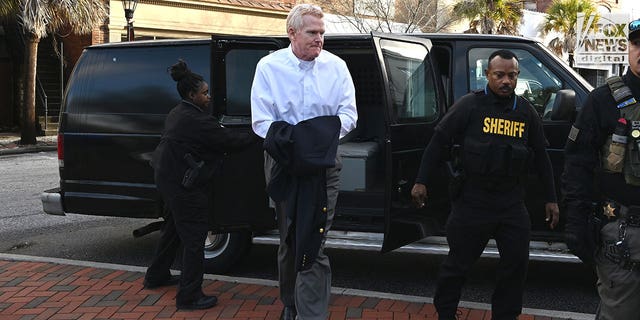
419	194
552	214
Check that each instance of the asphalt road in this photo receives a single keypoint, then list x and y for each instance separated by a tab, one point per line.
22	178
25	229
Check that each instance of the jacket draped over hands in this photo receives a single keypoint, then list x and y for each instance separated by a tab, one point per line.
302	153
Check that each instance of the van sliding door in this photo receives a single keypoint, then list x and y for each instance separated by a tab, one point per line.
240	199
415	101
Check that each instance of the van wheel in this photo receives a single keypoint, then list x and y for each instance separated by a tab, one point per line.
223	250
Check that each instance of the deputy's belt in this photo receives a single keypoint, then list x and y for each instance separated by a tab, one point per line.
618	251
491	183
613	210
631	214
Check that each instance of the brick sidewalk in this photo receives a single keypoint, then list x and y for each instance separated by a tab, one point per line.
46	290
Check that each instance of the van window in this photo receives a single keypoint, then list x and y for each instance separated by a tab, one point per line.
413	90
536	82
240	68
130	80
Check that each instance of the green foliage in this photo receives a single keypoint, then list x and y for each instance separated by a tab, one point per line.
491	16
9	9
37	19
562	16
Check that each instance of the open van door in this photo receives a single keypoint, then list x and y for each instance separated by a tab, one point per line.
415	102
240	201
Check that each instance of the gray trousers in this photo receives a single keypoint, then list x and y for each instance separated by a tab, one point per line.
619	289
308	291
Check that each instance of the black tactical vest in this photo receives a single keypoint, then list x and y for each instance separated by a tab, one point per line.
630	110
495	141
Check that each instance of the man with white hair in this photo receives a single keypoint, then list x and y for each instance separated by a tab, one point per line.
295	84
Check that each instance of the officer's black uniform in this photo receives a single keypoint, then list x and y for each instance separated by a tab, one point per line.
188	129
499	136
585	183
596	121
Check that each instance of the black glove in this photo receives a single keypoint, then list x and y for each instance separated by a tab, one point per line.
580	235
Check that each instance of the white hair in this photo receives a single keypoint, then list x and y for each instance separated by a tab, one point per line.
294	19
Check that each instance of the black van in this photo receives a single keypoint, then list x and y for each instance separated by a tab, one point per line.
120	93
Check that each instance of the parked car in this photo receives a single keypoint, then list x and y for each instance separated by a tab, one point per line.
119	95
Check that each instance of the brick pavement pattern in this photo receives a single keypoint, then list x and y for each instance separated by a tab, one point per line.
43	290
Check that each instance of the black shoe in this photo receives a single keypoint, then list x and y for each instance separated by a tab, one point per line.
172	281
289	313
205	302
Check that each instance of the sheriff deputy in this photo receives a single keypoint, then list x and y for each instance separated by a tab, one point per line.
601	186
500	135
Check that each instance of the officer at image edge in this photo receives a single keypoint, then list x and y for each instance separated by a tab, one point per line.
498	137
601	188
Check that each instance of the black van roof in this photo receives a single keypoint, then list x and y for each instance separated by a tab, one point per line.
352	36
150	43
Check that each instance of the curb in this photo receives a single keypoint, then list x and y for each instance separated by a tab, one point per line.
271	283
27	149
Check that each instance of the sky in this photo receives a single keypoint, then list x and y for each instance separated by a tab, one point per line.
631	6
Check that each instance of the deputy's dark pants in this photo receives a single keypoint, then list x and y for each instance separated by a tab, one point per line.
186	228
468	231
619	288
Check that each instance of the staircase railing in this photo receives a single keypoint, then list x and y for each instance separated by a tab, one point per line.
41	96
44	100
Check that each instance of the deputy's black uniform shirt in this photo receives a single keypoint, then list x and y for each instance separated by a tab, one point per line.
477	114
583	181
189	129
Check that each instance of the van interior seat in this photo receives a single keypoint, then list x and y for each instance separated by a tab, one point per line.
358	149
358	165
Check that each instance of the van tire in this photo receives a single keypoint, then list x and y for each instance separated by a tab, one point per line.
222	251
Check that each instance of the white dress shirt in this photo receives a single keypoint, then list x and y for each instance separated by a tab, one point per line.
286	88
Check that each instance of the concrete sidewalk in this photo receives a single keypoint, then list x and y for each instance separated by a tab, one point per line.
49	288
10	144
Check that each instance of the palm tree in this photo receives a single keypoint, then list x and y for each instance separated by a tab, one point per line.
7	8
490	16
562	16
37	19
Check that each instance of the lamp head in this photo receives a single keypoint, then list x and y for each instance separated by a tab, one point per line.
129	8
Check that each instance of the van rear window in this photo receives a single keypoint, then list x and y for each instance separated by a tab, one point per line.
130	79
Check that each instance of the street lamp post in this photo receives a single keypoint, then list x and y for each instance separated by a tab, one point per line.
129	8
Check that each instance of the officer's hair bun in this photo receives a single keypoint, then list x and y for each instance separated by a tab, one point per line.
187	81
179	70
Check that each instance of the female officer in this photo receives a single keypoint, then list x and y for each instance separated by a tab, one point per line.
190	151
